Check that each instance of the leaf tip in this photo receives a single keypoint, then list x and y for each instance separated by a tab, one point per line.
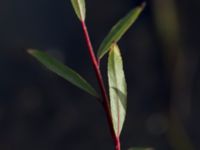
115	48
30	51
143	5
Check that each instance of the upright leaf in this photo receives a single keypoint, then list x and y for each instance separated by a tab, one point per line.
117	88
63	71
79	8
119	30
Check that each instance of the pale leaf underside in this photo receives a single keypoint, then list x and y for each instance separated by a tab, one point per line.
117	88
79	8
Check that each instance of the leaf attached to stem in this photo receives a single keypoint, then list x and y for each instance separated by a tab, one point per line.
117	88
63	71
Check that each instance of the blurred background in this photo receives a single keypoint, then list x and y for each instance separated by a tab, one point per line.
41	111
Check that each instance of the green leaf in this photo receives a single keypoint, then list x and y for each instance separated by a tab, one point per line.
63	71
79	8
117	88
119	30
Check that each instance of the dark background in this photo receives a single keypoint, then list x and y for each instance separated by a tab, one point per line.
40	111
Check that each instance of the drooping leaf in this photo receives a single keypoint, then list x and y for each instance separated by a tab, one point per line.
79	8
117	88
119	30
63	71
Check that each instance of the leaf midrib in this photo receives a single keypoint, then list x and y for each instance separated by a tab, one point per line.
117	93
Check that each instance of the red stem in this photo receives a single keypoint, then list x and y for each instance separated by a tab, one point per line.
117	144
106	106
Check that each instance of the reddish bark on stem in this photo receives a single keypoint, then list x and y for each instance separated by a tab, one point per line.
106	106
117	144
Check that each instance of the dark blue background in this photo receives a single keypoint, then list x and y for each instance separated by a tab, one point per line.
40	111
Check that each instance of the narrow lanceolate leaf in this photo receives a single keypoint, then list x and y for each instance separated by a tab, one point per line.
119	30
79	8
63	71
117	88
